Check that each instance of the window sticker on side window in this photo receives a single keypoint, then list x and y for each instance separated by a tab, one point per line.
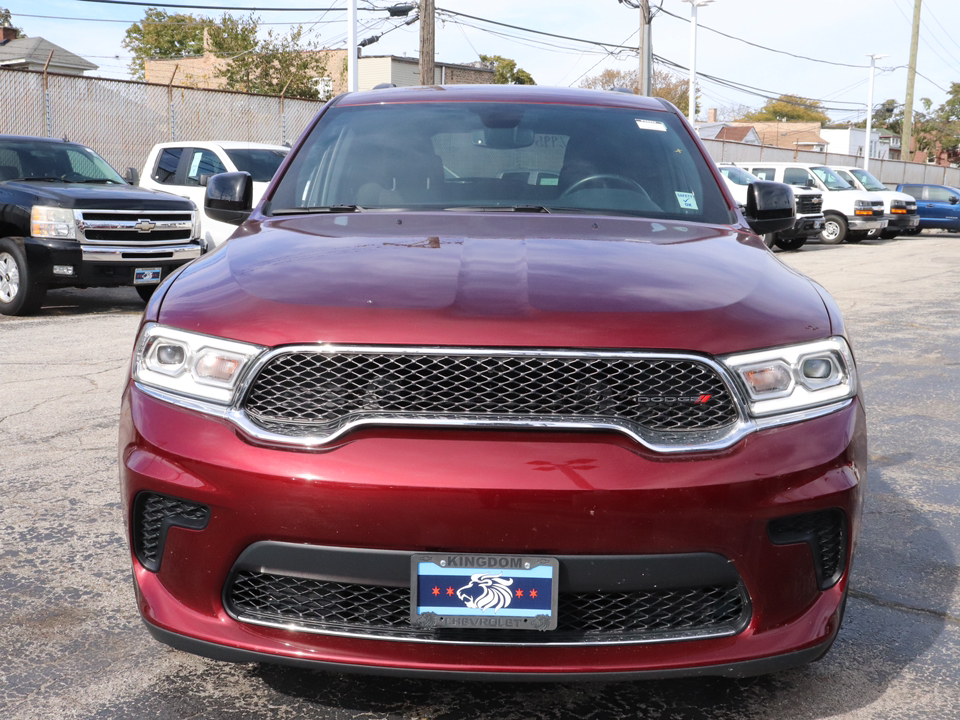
651	125
195	164
688	201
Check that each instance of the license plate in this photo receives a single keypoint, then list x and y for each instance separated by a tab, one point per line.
146	276
486	592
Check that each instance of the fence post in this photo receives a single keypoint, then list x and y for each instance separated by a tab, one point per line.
46	96
283	113
173	114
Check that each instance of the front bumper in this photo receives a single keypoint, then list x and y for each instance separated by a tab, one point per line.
805	226
102	265
582	496
859	223
902	222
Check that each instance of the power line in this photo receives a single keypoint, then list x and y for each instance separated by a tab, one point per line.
764	47
222	7
178	23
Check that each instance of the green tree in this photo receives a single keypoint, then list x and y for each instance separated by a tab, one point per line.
277	64
788	108
506	72
6	19
164	35
663	84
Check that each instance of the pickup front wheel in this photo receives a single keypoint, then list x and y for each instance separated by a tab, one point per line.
20	293
834	230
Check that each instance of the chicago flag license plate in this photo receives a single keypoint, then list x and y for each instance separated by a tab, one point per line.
502	592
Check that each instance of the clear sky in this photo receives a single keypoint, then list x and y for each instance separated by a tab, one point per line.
840	32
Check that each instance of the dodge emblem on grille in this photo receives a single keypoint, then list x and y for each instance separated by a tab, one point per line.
144	226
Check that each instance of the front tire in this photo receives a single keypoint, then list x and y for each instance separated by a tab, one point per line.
20	293
794	243
834	230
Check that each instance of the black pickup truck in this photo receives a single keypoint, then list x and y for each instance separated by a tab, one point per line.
68	219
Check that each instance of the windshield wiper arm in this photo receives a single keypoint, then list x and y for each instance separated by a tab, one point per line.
319	209
39	179
501	208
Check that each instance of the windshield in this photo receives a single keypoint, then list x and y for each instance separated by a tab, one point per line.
829	178
738	176
502	156
868	181
261	163
53	161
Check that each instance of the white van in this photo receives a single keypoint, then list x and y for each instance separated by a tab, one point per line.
848	214
901	208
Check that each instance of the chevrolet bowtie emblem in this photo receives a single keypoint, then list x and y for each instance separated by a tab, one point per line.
144	226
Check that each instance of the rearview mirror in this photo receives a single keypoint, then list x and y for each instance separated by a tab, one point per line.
229	197
509	138
770	207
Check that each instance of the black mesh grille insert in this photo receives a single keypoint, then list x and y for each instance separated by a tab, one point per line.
322	391
582	617
826	533
153	515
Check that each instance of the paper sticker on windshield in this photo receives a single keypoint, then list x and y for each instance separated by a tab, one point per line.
687	200
651	125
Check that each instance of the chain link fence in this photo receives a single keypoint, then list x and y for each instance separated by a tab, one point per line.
122	120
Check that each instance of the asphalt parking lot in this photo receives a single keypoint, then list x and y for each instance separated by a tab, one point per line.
73	645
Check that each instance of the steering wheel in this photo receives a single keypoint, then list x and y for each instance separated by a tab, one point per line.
73	177
624	181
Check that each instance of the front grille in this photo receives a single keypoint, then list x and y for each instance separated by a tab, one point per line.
598	617
825	532
153	515
302	392
809	204
149	227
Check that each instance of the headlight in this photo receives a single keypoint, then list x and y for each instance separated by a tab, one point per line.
52	222
788	379
898	206
862	207
196	366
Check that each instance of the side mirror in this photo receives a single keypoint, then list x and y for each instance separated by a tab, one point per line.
770	207
953	200
202	180
131	176
229	197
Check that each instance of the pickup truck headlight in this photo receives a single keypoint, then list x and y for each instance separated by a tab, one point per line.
797	377
52	222
192	365
898	207
862	207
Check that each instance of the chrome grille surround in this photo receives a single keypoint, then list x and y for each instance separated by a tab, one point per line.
137	227
576	394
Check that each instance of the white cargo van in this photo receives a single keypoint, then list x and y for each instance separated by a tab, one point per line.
848	214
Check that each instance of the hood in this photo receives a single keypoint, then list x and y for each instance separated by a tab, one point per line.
496	281
88	196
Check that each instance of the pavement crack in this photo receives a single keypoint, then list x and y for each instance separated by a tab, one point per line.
903	607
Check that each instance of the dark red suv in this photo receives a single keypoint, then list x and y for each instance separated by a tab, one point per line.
495	382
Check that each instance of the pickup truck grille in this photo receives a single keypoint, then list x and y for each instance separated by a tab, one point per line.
809	204
147	227
306	392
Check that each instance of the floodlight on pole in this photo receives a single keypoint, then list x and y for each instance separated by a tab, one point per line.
866	151
694	4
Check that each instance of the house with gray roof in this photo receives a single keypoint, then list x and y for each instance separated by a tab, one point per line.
21	53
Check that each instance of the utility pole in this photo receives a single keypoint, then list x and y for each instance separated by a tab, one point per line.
911	78
866	153
644	45
352	47
428	18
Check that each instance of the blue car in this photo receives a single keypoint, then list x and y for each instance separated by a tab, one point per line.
937	205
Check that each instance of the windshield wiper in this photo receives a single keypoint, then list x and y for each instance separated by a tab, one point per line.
98	181
38	179
501	208
318	209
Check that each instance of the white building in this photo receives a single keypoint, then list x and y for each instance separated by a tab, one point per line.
851	141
